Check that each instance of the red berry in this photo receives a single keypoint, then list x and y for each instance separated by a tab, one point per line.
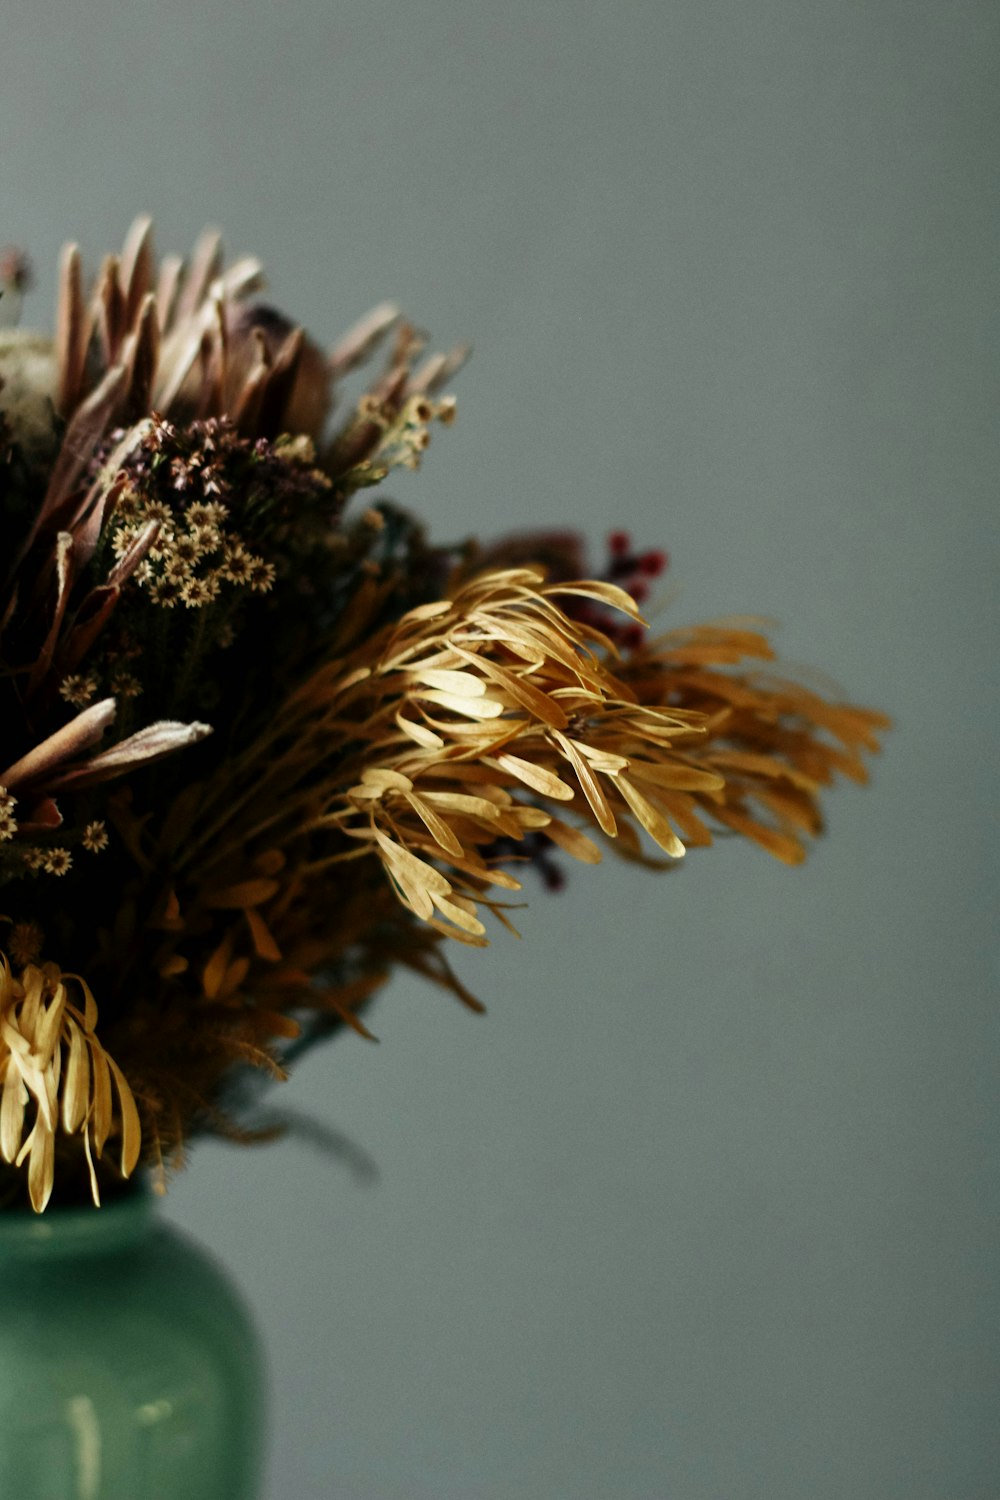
619	543
653	563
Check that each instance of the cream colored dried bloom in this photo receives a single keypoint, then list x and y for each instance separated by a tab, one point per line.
197	592
78	688
8	823
95	836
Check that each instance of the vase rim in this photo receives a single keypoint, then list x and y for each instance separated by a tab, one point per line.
80	1230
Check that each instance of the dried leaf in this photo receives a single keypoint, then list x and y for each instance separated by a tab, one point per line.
129	1115
239	897
654	821
543	781
573	841
263	940
436	827
589	785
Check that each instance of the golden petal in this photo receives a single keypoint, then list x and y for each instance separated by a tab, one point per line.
263	939
460	684
215	969
412	893
360	674
676	775
244	894
33	982
159	1187
654	822
41	1166
233	978
436	827
131	1129
790	806
523	693
491	735
762	765
461	802
602	760
473	708
589	784
15	1097
49	1028
76	1087
419	733
385	780
545	782
573	841
783	846
422	612
489	874
530	817
681	808
416	870
463	919
606	593
100	1112
457	934
18	1044
89	1003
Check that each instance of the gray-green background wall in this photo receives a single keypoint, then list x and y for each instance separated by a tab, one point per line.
705	1208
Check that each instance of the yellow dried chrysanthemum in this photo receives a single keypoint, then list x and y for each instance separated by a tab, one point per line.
56	1076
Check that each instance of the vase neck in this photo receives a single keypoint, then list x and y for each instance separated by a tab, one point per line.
71	1232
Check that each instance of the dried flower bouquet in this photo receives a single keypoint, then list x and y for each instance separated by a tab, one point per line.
261	741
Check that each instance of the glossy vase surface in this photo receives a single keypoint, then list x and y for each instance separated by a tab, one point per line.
130	1368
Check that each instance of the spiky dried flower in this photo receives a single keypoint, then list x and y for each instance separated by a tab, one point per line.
305	742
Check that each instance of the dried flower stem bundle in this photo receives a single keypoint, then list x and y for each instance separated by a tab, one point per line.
302	745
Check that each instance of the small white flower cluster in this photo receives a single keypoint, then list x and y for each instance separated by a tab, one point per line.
193	555
59	861
8	823
48	861
406	435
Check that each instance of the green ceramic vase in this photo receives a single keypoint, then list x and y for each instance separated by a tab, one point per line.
129	1367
